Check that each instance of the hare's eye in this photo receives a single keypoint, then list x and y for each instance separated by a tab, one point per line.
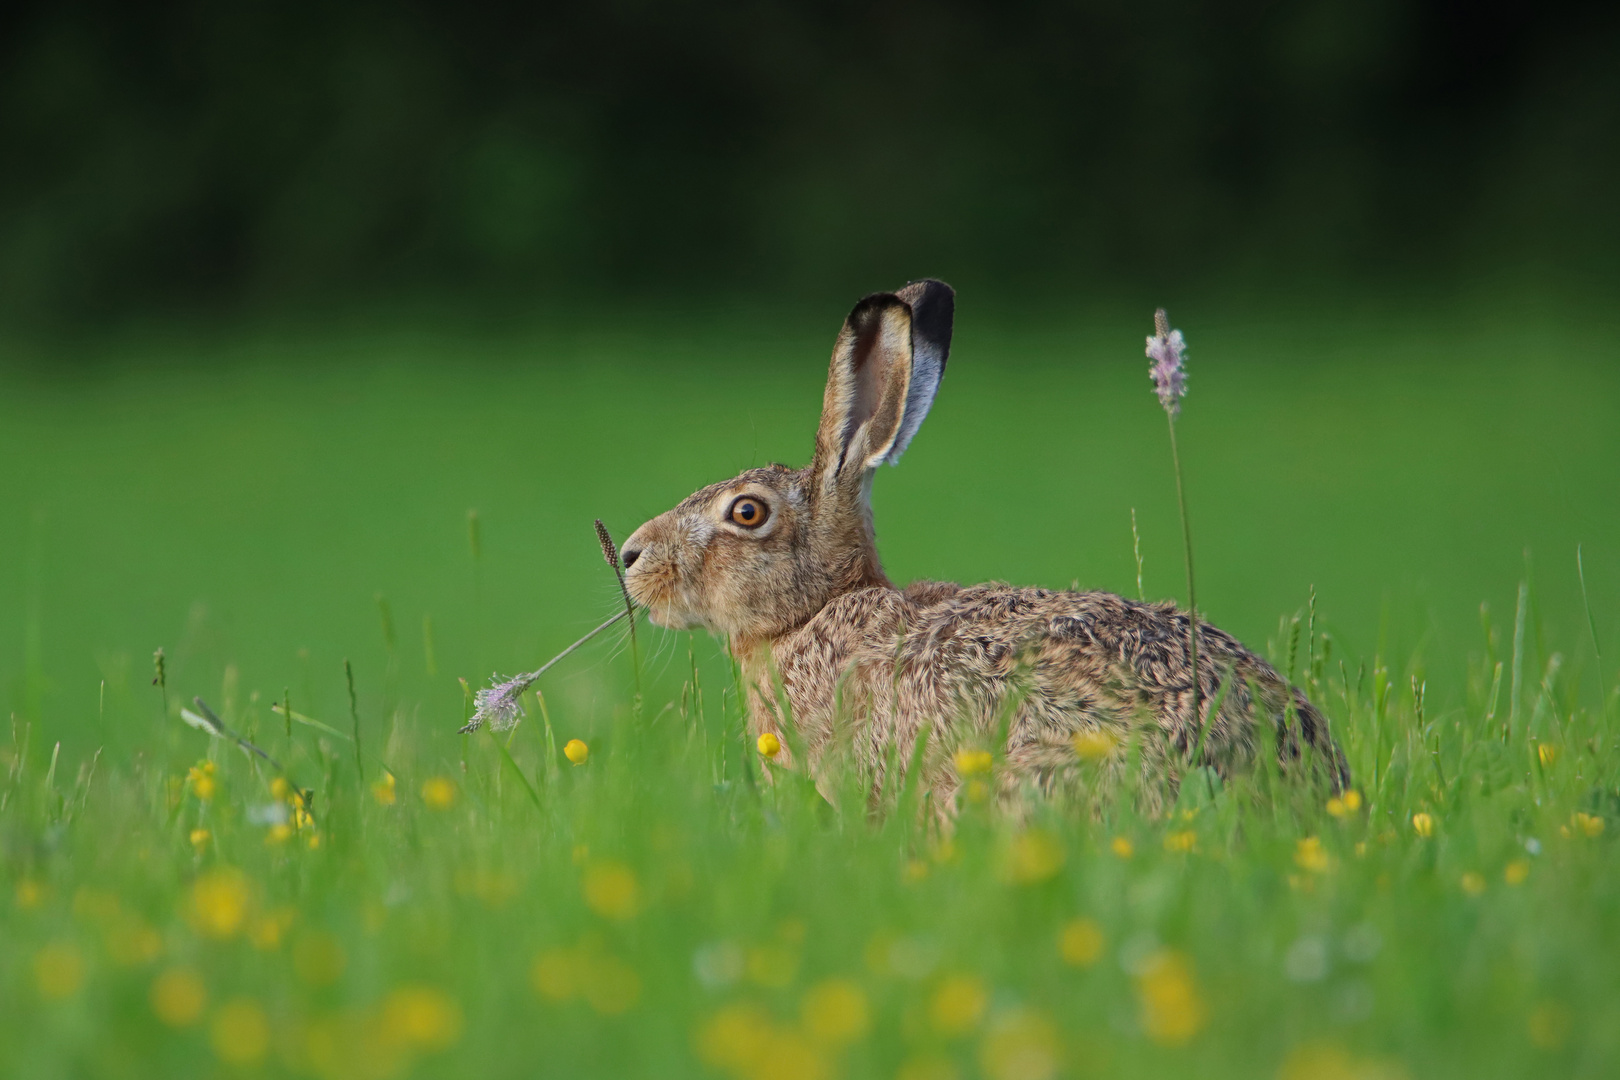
748	512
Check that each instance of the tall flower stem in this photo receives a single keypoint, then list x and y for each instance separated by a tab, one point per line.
1192	599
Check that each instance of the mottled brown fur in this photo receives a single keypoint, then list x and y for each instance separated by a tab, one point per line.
864	667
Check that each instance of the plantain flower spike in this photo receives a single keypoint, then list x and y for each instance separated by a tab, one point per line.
500	706
1166	349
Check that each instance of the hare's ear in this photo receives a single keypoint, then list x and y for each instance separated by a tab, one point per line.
886	368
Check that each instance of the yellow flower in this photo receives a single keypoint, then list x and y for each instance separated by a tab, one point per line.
1184	841
1588	825
768	744
736	1038
977	791
958	1005
1516	871
1344	805
1549	1025
383	790
266	931
1094	745
423	1017
58	970
929	1067
199	839
1172	1009
279	787
1327	1061
1547	753
576	751
318	959
1308	855
611	890
1021	1044
1081	943
1035	856
1473	883
439	793
200	779
30	894
834	1011
915	870
219	902
1423	824
314	841
1122	847
972	762
278	834
240	1032
178	997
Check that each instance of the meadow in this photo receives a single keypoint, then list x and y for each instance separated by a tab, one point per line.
365	520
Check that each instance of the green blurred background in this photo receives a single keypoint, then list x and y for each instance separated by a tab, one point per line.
286	290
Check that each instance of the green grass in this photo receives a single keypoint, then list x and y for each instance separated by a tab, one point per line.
265	505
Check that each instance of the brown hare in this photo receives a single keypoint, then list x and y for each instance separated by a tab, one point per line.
784	563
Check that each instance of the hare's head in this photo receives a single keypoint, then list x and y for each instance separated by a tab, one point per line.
759	554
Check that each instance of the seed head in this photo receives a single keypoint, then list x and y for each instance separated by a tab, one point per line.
1166	348
500	706
609	552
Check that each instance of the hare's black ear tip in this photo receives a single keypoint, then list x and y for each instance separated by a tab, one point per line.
933	308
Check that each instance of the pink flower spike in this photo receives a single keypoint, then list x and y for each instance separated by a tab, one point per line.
1166	349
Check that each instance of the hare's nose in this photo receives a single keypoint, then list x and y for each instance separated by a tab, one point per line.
629	556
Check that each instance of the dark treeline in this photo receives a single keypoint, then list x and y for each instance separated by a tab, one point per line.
202	154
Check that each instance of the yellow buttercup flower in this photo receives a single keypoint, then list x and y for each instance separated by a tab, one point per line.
240	1032
279	787
30	894
1035	856
199	839
267	930
200	779
423	1017
178	997
611	890
958	1004
576	751
834	1011
1589	825
1172	1010
1094	745
1549	1025
439	793
1473	883
1021	1044
768	745
383	790
1122	847
219	902
1423	824
973	762
1344	805
1308	855
1185	841
737	1038
59	970
1516	871
1081	943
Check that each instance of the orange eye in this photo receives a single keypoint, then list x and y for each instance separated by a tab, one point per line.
748	512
